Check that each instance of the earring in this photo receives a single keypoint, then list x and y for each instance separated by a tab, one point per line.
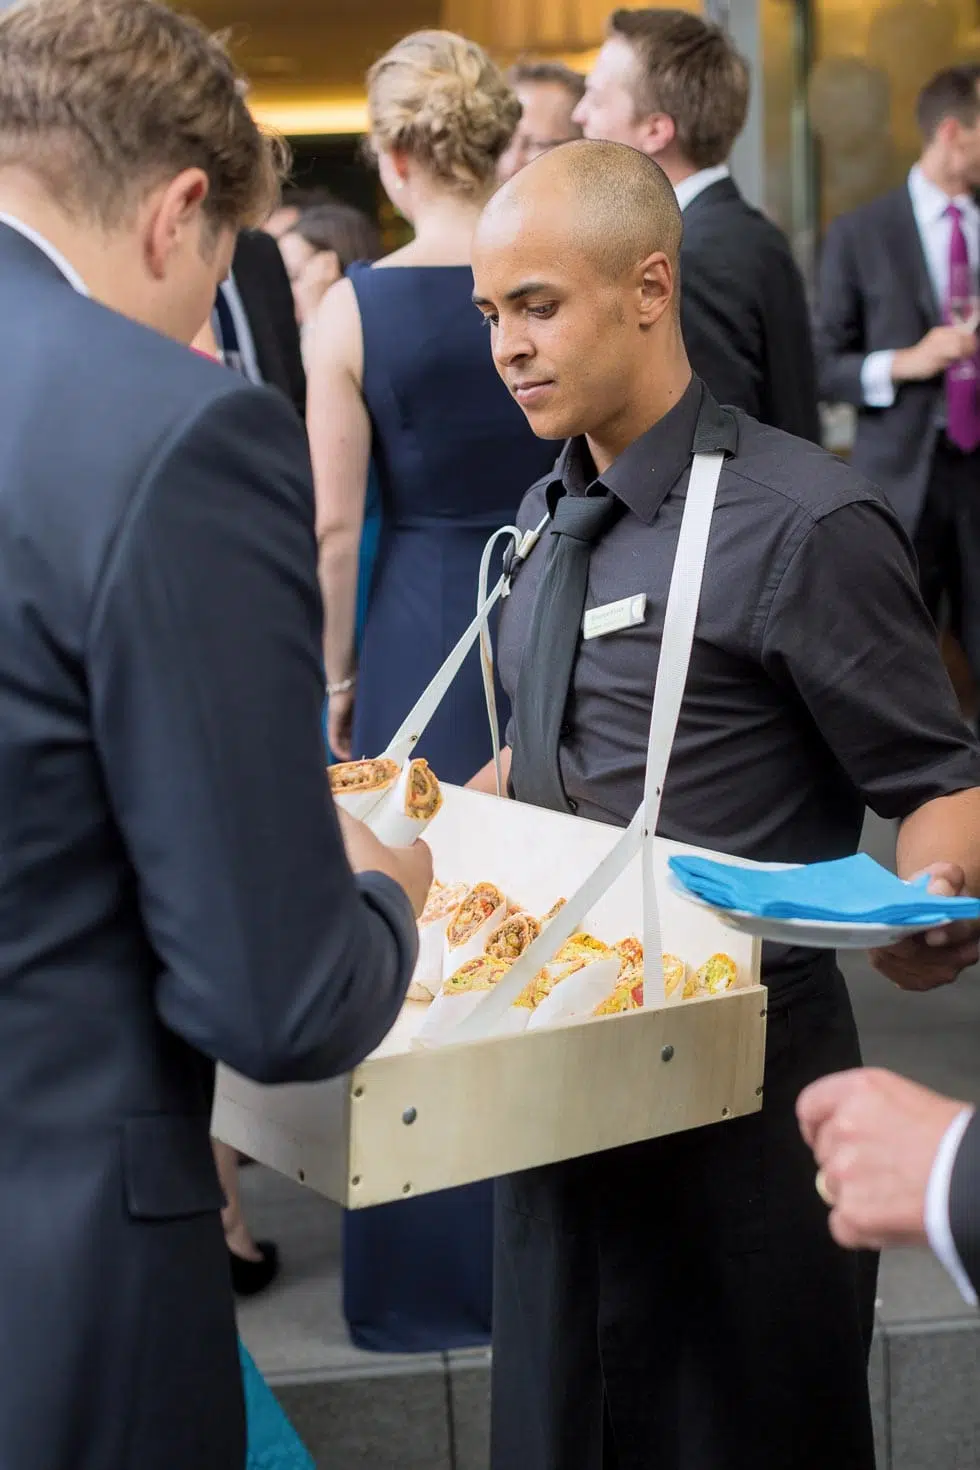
399	185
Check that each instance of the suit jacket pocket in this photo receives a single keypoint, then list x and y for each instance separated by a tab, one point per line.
168	1167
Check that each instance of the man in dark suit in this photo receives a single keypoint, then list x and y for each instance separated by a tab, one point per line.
673	86
899	1165
174	888
895	337
255	319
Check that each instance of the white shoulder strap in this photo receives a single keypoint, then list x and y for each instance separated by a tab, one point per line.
677	642
680	619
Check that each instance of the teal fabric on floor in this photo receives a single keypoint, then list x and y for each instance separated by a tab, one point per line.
273	1443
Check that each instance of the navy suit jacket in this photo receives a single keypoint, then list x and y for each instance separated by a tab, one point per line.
876	293
173	886
744	312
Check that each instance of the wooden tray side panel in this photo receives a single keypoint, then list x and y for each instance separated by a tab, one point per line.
421	1122
302	1130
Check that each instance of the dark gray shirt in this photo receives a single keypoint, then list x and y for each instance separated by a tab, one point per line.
815	685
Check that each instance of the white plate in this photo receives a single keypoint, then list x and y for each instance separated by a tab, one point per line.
810	933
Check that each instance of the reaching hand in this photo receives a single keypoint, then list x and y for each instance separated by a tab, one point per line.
875	1137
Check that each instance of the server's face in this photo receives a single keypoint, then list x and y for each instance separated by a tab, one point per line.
563	333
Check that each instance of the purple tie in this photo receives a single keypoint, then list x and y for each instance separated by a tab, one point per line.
962	405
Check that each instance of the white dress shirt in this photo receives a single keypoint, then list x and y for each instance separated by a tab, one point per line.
937	1205
55	256
929	205
689	189
246	342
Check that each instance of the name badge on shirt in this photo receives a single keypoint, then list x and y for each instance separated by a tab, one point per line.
629	612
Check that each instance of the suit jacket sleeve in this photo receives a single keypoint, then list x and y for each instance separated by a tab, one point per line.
789	384
964	1202
267	297
207	689
839	334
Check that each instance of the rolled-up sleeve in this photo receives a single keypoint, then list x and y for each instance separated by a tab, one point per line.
848	631
204	667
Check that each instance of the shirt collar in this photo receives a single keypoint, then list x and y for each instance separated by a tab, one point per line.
931	203
689	189
649	468
55	256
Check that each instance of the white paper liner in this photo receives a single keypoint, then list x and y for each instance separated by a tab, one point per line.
455	957
578	995
432	945
391	823
444	1014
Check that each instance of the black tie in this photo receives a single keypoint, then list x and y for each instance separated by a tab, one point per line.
552	643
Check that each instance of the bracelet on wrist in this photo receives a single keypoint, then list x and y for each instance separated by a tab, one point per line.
342	686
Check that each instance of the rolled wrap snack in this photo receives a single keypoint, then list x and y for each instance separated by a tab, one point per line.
578	994
409	807
429	974
358	786
483	908
458	999
511	938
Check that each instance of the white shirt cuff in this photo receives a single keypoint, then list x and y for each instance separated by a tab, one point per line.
876	379
937	1205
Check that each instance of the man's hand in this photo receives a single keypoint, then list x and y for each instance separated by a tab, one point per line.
410	867
926	961
939	349
875	1137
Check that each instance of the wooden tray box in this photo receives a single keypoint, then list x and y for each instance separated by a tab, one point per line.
409	1121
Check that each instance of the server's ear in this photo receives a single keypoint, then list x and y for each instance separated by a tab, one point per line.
654	289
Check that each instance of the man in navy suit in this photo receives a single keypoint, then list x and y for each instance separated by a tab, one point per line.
896	337
174	888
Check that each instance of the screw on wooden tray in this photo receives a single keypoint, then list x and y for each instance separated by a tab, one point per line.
409	1115
301	1176
725	1113
758	1092
406	1189
667	1054
356	1181
358	1091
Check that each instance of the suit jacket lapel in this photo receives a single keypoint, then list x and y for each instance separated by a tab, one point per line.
910	259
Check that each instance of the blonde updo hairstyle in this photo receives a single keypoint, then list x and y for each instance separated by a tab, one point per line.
440	100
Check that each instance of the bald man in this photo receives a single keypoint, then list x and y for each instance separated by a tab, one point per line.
680	1304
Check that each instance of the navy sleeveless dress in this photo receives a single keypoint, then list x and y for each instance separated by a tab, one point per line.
454	456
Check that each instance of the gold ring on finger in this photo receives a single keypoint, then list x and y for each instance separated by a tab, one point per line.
823	1189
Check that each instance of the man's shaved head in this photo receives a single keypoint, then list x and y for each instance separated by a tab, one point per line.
619	204
575	269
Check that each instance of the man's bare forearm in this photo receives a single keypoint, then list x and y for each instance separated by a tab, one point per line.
946	830
486	780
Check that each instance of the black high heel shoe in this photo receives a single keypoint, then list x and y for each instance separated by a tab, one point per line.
248	1278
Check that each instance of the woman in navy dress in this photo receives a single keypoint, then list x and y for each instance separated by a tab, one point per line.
401	370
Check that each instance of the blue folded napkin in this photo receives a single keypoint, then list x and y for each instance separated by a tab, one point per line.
854	890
